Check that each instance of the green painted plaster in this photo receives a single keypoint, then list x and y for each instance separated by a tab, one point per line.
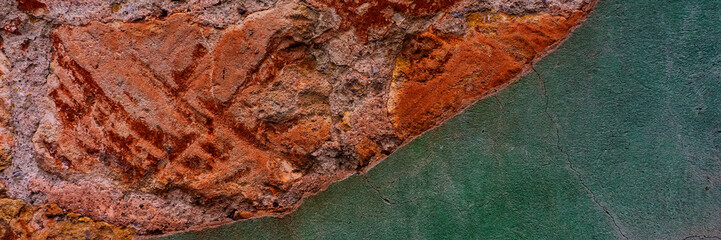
617	134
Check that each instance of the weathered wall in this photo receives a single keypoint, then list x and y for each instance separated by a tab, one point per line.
617	137
164	116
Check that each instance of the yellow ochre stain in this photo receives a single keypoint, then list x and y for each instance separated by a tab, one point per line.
402	66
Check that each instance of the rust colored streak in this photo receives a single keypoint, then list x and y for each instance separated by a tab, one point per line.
181	77
95	99
437	75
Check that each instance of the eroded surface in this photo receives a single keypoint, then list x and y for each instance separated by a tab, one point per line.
164	116
617	136
20	220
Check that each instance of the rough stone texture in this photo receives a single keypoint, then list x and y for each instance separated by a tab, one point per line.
166	116
6	129
19	220
617	136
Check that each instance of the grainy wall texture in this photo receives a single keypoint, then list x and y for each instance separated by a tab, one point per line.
165	116
616	135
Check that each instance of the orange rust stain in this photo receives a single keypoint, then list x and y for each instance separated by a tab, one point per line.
303	138
365	16
366	150
437	75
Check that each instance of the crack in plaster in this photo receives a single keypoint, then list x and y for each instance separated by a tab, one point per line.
568	156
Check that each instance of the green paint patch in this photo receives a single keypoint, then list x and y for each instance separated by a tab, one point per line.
618	135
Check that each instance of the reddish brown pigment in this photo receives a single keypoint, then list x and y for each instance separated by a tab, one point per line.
366	16
30	5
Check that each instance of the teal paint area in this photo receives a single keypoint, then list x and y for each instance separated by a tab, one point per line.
617	134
